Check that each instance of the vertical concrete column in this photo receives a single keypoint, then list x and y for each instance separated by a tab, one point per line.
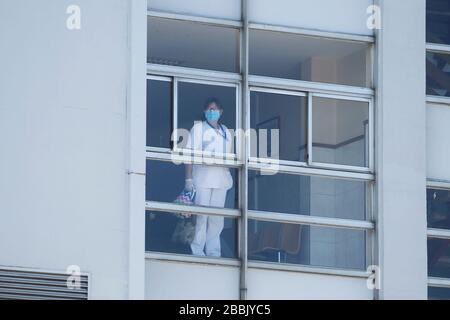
401	150
136	117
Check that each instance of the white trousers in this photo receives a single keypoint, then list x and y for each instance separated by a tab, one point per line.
208	228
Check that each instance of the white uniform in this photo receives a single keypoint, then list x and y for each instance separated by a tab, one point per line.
212	184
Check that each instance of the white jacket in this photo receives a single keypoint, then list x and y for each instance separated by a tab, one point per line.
204	138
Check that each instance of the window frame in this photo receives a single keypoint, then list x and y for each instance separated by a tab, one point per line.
237	154
434	233
440	49
243	162
370	142
214	22
175	80
162	79
279	92
325	35
310	94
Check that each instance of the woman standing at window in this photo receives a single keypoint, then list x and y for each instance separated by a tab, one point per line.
210	182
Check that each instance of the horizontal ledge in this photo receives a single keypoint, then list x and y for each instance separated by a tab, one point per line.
438	100
438	234
310	220
439	48
173	257
439	282
308	269
227	262
303	170
309	86
192	18
192	73
439	184
339	167
270	166
313	32
194	210
190	159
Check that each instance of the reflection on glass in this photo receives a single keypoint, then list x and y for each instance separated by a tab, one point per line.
306	245
438	74
285	113
340	132
168	233
439	258
438	21
435	293
304	195
159	105
306	58
193	45
165	181
438	208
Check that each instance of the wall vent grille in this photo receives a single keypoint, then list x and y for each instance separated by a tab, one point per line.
21	284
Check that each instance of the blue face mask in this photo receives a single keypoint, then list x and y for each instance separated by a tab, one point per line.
212	115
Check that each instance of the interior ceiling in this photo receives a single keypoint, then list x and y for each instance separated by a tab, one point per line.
297	48
193	44
205	46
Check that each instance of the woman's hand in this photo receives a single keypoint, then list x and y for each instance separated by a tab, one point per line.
189	185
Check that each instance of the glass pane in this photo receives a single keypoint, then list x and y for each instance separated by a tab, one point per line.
215	186
304	195
438	21
438	293
307	245
159	106
197	235
272	113
193	98
340	132
438	208
193	45
439	258
438	76
305	58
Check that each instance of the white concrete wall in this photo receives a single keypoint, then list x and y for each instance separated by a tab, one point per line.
63	136
438	142
223	9
401	151
186	281
347	16
281	285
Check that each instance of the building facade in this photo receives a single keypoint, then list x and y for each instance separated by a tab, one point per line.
336	113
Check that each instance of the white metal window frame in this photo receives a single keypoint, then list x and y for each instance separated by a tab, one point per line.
161	79
438	184
371	142
205	73
369	40
310	159
177	208
175	80
441	49
237	87
246	81
442	234
235	263
278	92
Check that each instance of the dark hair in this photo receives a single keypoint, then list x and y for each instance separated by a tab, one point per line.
210	101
